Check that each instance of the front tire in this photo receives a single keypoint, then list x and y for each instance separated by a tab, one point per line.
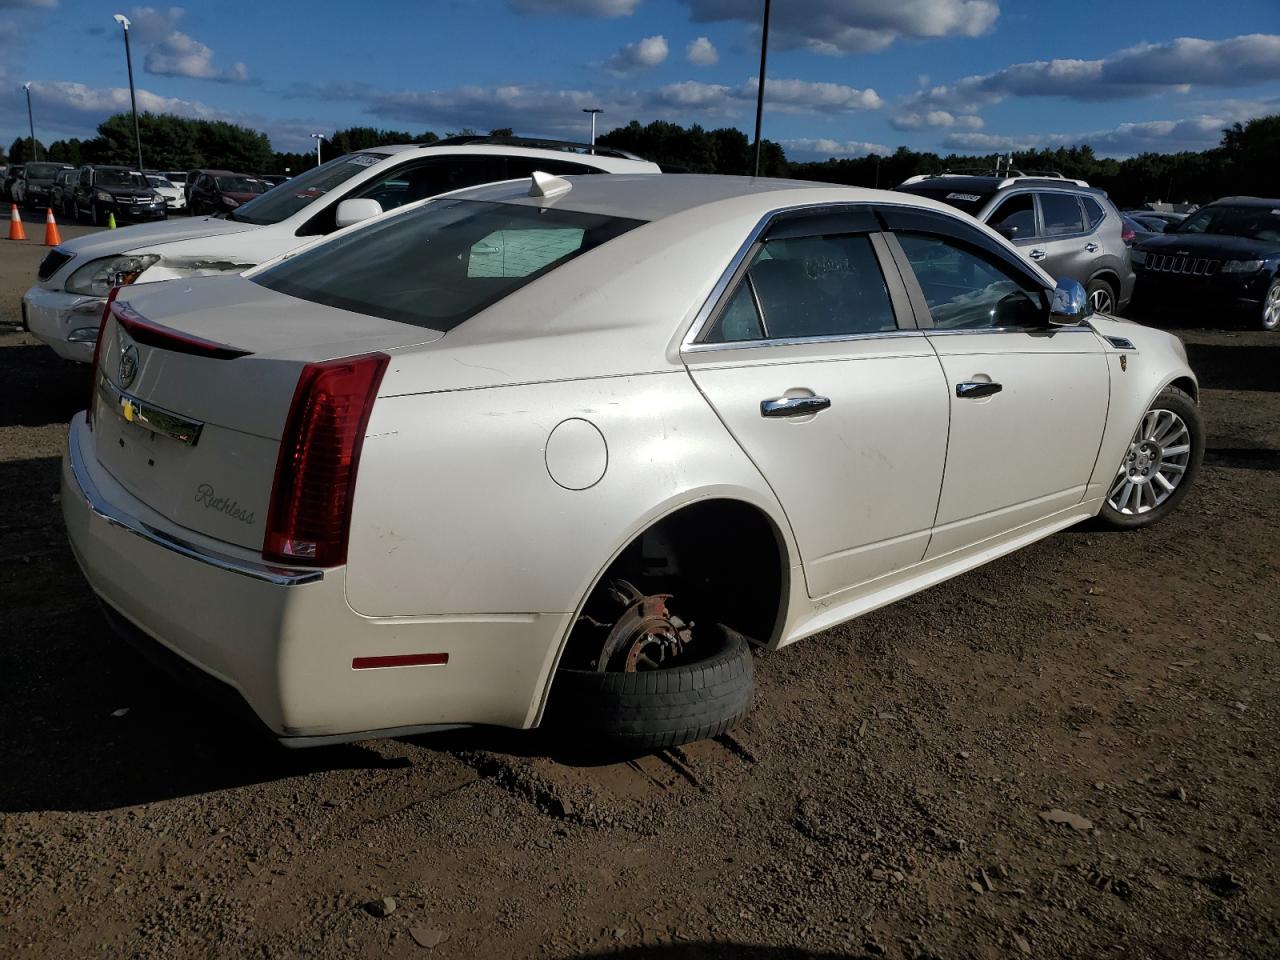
1159	466
1271	306
1102	298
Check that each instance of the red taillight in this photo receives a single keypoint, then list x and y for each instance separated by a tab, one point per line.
309	519
97	351
1127	234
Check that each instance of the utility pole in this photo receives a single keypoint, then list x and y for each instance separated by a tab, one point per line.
318	138
35	155
594	111
121	19
764	55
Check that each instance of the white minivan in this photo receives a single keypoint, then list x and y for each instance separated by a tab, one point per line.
64	308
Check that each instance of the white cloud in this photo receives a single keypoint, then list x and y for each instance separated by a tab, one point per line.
172	53
641	55
581	8
1175	66
855	26
1125	139
702	53
825	148
920	120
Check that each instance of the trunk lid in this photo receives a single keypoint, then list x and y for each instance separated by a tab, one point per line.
194	383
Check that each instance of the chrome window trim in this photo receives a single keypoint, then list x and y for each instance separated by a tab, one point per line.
799	341
1052	328
99	507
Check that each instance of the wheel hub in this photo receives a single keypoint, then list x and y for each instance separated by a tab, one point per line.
646	635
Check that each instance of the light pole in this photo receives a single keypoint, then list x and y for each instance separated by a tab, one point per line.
764	54
121	19
594	111
317	137
31	123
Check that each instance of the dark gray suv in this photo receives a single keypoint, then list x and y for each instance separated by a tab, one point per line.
1070	229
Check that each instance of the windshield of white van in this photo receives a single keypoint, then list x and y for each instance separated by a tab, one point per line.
304	189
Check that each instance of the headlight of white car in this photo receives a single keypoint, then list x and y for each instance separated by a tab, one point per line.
97	277
1242	266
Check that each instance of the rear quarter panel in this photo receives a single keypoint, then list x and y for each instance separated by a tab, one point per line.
455	511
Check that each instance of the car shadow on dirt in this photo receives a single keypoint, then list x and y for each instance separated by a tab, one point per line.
727	951
38	387
1235	366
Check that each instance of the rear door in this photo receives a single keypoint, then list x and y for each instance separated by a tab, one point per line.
1028	400
1069	250
813	362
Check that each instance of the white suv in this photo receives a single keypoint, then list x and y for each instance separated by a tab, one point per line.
64	308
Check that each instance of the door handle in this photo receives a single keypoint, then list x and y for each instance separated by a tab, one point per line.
1037	254
793	406
974	389
1091	247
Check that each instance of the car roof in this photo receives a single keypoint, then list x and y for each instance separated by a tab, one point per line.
651	197
478	148
1243	202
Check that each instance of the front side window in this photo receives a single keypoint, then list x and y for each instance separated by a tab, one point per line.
808	287
1061	213
967	290
1017	212
441	264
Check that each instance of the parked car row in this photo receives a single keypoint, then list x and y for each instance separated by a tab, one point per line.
737	411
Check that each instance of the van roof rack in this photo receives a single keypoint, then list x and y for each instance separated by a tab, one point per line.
535	143
1006	179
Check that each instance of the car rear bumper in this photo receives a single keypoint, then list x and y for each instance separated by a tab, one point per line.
285	640
67	322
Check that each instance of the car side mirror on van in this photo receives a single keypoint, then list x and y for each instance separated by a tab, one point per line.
353	211
1070	304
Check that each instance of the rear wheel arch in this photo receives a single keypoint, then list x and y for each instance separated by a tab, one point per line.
720	556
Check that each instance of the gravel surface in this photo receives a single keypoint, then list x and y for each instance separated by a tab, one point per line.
1071	752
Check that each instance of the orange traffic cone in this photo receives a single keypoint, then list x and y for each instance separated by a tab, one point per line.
15	225
51	235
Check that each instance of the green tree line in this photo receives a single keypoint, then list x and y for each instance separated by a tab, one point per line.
1244	162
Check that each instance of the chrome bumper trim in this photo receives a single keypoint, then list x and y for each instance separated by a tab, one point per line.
276	576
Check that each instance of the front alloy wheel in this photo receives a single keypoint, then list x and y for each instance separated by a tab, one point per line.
1160	464
1271	307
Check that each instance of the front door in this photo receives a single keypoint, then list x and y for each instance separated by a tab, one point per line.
1028	399
813	363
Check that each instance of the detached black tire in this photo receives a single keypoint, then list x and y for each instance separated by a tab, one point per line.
1169	443
654	709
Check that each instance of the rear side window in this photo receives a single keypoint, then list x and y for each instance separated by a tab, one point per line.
442	263
1093	212
802	287
1061	213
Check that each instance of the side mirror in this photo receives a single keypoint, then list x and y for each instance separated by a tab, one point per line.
1070	304
1007	230
353	211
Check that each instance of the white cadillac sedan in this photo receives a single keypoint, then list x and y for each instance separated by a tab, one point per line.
565	448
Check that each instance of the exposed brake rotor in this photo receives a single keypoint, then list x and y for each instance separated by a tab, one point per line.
646	635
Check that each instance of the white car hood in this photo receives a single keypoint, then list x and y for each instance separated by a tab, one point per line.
149	235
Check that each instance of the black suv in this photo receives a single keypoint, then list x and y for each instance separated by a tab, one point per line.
1226	254
1069	228
101	191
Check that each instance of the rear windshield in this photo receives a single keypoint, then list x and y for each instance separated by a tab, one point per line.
43	171
1256	223
970	201
304	189
442	263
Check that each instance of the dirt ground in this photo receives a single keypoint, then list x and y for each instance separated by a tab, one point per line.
887	797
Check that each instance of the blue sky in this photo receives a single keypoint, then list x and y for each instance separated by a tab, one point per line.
845	76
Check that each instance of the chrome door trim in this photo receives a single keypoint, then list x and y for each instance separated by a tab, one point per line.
149	416
797	341
100	508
